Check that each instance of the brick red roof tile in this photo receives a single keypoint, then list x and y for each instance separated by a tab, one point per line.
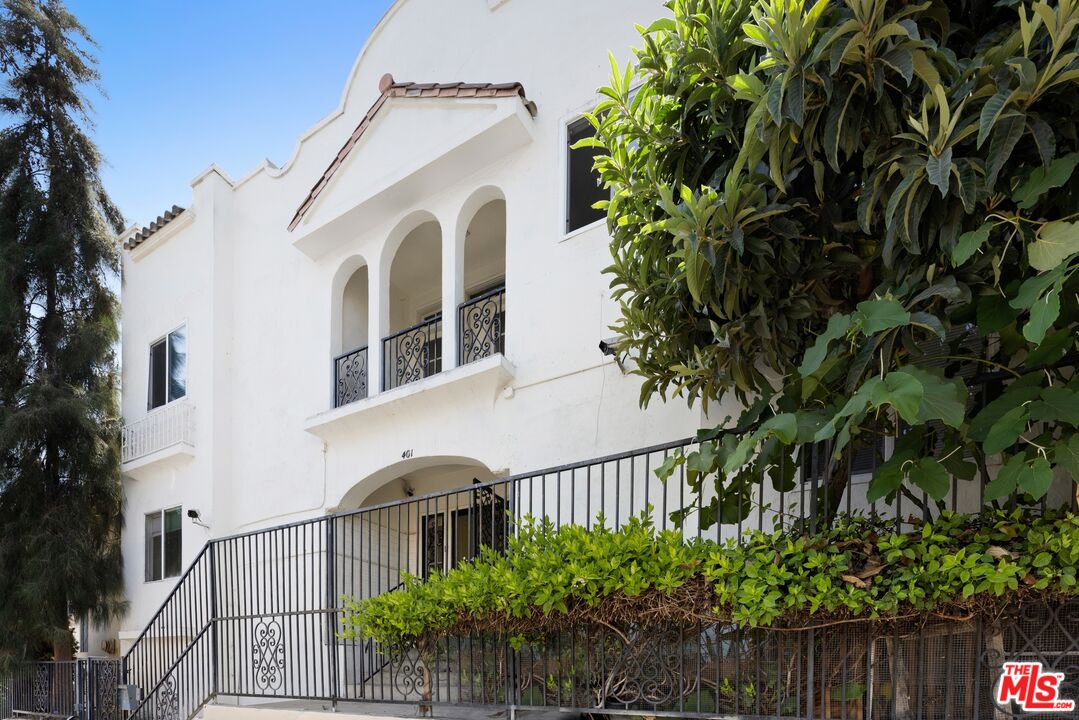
389	88
144	234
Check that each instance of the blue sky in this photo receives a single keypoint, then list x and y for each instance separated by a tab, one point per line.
231	82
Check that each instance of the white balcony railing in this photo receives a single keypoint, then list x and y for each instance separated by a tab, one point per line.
167	426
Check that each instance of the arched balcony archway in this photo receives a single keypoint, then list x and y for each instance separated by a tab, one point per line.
413	348
349	322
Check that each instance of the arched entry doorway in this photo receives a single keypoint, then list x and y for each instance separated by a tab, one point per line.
420	517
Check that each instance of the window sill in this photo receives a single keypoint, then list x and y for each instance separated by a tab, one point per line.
602	222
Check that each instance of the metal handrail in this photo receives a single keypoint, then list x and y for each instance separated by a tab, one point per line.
411	328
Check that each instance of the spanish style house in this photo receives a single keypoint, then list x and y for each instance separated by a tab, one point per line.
376	357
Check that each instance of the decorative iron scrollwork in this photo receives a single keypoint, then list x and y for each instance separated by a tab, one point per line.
167	702
350	377
407	671
269	655
649	669
412	354
106	680
482	326
41	687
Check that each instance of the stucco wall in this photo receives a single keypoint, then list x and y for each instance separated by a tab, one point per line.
263	320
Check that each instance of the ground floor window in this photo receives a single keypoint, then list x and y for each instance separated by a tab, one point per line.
163	542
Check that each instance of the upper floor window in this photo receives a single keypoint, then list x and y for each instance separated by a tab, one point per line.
164	535
583	186
168	368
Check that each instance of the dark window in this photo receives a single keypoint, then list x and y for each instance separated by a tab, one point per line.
164	542
168	368
583	186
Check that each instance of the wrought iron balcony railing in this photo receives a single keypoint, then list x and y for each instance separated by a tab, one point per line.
350	377
481	326
164	427
412	354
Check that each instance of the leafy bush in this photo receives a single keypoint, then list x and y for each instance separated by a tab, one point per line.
857	568
837	213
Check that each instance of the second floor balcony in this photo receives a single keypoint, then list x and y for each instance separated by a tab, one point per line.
164	432
416	352
437	302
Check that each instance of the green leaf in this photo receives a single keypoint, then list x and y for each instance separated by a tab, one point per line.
1052	348
938	168
784	426
837	327
994	314
969	243
1036	478
1057	403
1007	479
1042	316
1006	431
903	392
1032	289
1043	179
944	400
1012	398
1042	559
930	475
1056	241
874	316
990	112
1066	454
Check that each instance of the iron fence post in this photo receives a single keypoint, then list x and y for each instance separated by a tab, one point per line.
214	651
331	604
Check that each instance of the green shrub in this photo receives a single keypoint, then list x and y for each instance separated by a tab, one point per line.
857	568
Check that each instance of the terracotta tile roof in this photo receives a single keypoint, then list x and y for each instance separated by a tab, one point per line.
144	234
389	88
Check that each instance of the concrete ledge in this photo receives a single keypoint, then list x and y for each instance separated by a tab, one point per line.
461	387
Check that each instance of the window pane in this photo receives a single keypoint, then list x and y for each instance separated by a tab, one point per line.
178	364
153	547
173	542
157	374
584	188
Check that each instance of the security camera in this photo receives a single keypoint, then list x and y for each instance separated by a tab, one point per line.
196	517
609	346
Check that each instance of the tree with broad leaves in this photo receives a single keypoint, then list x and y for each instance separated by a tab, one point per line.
850	215
60	493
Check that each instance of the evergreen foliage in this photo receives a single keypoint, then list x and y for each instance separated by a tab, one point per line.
60	493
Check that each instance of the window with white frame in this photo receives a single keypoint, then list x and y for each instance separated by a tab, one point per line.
164	536
583	186
168	368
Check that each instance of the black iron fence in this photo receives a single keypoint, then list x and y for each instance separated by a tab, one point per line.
412	354
481	326
258	615
87	689
350	377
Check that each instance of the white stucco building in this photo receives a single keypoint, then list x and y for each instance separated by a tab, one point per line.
414	300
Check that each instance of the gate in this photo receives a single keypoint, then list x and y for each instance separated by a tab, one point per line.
87	689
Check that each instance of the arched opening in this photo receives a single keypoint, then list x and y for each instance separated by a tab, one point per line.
349	326
482	315
413	348
422	517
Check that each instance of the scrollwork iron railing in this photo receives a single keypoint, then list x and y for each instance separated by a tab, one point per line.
350	377
481	326
412	354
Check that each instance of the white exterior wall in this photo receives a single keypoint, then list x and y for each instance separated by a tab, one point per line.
259	300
